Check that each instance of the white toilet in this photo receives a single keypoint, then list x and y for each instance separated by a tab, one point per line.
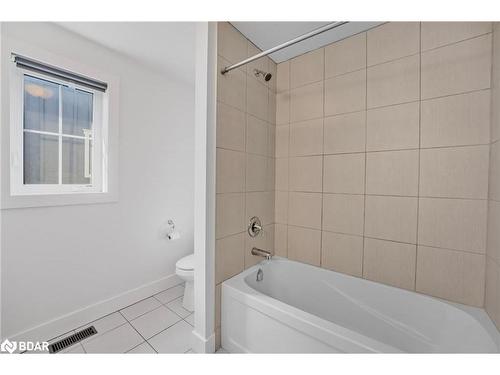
184	268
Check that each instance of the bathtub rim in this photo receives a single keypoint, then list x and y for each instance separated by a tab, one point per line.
237	288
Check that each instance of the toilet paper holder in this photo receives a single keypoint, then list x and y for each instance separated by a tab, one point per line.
172	234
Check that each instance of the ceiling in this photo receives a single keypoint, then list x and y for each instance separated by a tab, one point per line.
266	35
167	47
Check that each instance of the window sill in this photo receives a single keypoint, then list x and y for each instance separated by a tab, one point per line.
51	200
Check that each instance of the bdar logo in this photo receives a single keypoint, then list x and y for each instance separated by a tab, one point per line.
8	346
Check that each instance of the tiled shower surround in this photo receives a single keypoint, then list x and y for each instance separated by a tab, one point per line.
382	159
246	109
492	299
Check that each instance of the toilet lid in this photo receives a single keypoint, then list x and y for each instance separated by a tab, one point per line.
186	263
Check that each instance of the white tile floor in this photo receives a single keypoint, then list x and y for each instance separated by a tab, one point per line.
158	324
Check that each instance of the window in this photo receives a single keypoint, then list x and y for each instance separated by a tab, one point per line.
58	131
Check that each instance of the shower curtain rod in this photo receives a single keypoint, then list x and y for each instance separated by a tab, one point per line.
298	39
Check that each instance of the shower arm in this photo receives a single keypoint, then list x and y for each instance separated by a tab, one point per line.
296	40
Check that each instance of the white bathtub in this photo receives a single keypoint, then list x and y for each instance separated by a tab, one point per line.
298	308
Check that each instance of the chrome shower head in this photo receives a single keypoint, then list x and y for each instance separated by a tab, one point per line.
267	76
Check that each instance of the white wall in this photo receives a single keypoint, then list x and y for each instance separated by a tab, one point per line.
56	260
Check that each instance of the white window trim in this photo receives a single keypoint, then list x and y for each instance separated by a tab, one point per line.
100	130
38	196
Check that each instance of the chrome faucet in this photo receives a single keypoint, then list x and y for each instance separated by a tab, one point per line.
262	253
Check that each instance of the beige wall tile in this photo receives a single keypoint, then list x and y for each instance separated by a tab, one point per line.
229	257
394	82
230	171
218	293
217	338
457	68
392	173
256	173
283	76
456	120
230	128
282	174
438	34
391	218
230	214
304	210
452	275
257	99
272	68
304	245
271	174
460	172
345	93
306	102
344	133
393	128
390	263
271	140
392	40
495	77
306	173
493	240
282	140
343	213
307	68
280	240
342	253
271	107
344	173
492	293
231	44
260	204
494	174
283	108
256	136
231	88
306	138
345	56
265	241
281	207
453	223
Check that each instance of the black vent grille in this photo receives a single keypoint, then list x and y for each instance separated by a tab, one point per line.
71	340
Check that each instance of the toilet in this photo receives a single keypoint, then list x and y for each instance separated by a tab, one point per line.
184	268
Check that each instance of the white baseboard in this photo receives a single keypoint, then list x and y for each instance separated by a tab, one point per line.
68	322
202	345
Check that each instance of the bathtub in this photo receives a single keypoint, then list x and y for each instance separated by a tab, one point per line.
298	308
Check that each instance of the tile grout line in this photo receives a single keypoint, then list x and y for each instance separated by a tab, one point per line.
419	155
366	159
145	340
322	162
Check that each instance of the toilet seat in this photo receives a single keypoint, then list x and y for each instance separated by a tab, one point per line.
186	263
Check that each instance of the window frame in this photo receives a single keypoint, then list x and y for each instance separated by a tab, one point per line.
17	131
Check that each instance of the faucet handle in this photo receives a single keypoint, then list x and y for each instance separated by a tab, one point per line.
254	227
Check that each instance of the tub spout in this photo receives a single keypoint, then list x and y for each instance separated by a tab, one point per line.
262	253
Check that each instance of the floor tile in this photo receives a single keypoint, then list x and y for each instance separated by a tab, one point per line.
170	294
176	339
155	321
74	349
139	308
176	307
104	324
118	340
190	351
190	319
144	348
